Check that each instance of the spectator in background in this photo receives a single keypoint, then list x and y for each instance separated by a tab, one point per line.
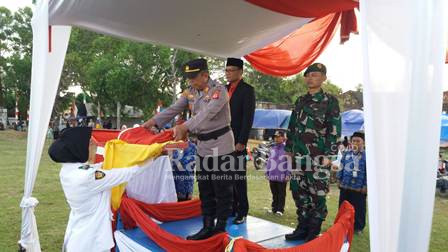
353	179
277	173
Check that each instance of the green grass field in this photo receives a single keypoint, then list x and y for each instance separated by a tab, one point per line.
52	211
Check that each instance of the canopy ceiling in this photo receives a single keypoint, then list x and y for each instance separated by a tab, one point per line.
217	28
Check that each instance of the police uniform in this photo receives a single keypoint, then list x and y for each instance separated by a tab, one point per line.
314	128
87	190
210	121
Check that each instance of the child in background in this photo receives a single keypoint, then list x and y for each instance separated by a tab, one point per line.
353	179
277	172
183	164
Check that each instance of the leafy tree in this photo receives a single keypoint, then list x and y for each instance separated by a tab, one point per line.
5	33
17	65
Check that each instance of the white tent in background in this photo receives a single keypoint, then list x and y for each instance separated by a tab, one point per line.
403	59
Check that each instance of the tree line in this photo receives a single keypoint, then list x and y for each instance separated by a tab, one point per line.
110	70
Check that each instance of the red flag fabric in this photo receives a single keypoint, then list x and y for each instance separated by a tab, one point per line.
101	136
141	135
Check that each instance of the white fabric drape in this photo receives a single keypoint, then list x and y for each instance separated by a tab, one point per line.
45	75
155	185
403	55
126	244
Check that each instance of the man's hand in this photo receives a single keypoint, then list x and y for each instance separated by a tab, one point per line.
149	124
326	162
240	147
180	132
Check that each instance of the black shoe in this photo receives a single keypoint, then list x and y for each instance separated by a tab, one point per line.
206	231
358	231
239	220
314	229
220	226
299	234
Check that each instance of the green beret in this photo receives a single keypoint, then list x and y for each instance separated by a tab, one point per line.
316	67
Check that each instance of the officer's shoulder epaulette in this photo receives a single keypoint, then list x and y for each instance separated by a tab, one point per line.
85	167
186	92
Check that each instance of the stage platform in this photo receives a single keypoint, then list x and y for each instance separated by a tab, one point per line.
266	233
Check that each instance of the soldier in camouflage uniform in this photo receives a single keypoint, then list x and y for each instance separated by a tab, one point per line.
314	128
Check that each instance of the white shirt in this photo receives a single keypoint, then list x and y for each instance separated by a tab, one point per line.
89	226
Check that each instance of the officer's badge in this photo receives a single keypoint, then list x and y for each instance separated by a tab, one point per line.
216	94
187	68
84	167
99	175
319	66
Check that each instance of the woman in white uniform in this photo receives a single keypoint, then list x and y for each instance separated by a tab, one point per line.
87	189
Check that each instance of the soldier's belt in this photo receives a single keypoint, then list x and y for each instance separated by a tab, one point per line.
214	134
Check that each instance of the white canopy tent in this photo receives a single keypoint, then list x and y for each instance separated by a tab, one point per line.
403	55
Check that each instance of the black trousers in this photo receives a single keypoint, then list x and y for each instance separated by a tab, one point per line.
358	201
215	182
278	190
240	200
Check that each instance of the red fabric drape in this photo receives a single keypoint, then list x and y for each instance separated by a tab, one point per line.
172	211
141	135
348	25
331	240
166	240
135	213
306	8
295	52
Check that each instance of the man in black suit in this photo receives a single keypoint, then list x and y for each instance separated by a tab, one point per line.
242	109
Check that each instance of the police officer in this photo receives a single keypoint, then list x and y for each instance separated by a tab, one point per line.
314	128
210	121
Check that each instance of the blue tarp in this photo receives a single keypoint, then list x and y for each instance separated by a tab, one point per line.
444	128
271	119
352	120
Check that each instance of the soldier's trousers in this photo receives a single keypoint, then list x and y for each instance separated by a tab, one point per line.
215	176
310	196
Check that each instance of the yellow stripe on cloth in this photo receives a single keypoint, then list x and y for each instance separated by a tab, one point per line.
119	154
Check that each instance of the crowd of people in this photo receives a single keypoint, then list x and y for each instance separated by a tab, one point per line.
215	120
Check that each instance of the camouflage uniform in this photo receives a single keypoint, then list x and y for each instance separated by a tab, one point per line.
314	128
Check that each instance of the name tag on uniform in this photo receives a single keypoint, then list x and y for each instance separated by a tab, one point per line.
216	94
